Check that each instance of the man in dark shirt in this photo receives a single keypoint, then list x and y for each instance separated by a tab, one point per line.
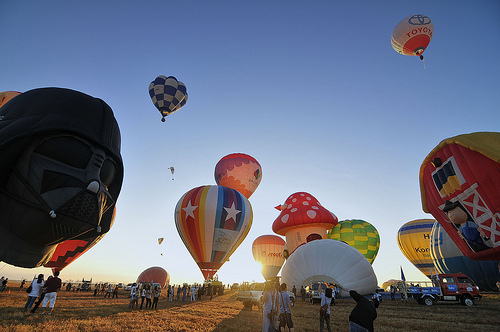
52	285
363	314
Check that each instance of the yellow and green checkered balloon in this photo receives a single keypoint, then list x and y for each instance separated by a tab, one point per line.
358	234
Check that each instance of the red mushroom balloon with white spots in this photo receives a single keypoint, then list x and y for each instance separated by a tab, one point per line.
303	219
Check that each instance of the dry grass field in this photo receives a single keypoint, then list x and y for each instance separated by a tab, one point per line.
80	311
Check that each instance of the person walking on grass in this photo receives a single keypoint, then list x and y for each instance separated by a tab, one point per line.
115	292
52	285
285	309
326	301
36	287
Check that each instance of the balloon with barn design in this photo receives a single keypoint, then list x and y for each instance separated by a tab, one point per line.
460	187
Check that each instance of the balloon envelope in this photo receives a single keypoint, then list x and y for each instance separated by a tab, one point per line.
414	242
6	96
465	170
303	219
154	274
167	94
268	251
412	35
239	171
212	221
60	172
448	258
332	262
358	234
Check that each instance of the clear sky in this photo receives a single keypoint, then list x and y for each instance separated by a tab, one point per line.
312	89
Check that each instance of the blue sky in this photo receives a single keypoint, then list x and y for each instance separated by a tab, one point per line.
312	90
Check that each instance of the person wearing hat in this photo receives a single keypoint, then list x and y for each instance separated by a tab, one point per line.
467	228
362	315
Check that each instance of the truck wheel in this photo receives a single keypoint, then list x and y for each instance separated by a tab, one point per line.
428	301
292	300
466	300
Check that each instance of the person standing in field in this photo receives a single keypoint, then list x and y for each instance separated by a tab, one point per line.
326	301
4	284
156	296
178	292
193	292
52	285
143	295
267	307
362	315
134	296
115	292
303	293
36	287
148	296
285	309
109	291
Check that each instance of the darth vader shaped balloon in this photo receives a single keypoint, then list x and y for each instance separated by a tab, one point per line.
60	172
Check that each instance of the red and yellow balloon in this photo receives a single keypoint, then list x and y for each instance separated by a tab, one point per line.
239	171
268	251
212	221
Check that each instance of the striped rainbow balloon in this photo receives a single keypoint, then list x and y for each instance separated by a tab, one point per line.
212	221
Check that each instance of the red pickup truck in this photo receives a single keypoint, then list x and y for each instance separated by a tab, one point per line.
449	287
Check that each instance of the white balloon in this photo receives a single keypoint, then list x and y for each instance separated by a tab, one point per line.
330	261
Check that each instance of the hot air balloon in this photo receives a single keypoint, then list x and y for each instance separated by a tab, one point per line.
239	171
160	240
412	35
358	234
460	186
6	96
448	258
268	251
68	251
332	262
155	275
168	95
414	242
60	175
302	219
212	221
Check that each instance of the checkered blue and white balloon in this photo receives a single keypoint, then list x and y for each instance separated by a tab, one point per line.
168	94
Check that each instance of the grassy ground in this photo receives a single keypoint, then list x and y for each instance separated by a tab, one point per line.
80	311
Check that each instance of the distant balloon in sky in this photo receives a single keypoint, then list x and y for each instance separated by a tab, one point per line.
240	172
168	94
414	241
333	262
268	251
358	234
61	172
448	258
302	219
212	221
6	96
160	240
412	35
460	187
155	275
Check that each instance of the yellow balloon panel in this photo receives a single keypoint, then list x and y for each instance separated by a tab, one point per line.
414	242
